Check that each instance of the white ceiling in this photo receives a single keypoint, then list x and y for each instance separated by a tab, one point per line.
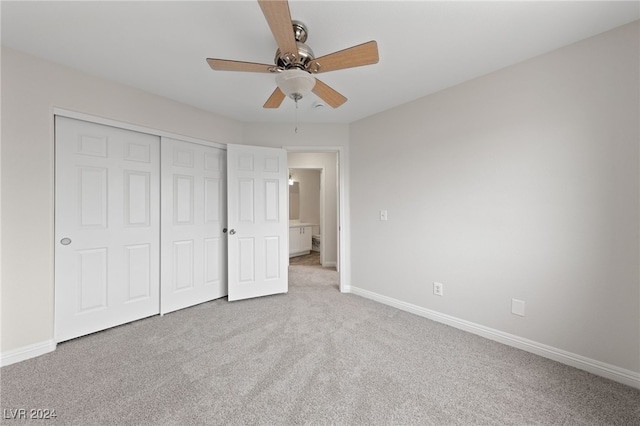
424	46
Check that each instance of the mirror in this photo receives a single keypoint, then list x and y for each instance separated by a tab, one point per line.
304	195
294	201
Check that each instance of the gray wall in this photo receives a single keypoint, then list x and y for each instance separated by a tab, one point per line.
521	184
31	88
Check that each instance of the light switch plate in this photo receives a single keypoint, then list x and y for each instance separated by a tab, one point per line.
383	215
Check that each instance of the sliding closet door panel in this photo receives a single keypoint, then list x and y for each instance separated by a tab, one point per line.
106	227
194	213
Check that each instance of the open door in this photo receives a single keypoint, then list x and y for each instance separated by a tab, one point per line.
258	221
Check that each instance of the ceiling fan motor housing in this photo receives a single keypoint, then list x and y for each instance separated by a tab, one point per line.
301	59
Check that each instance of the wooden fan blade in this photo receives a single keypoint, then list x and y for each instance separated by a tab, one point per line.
226	65
356	56
327	94
279	19
275	99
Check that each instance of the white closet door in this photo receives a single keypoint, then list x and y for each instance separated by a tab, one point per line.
258	221
106	227
193	218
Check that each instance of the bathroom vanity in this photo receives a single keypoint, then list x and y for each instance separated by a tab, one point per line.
300	238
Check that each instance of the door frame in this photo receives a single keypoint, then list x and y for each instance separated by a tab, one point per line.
128	126
343	266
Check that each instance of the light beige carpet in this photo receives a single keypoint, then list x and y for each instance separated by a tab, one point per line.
312	356
311	259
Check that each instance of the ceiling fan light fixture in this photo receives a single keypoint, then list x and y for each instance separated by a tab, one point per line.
295	83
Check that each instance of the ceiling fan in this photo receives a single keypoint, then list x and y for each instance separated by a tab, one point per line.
295	62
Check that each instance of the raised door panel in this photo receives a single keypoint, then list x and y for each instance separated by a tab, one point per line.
137	200
138	271
92	288
183	202
92	197
246	200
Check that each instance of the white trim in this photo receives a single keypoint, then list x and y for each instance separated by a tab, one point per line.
342	264
329	264
26	352
593	366
133	127
323	213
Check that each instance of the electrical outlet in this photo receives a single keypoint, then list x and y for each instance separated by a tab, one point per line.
517	307
383	215
438	289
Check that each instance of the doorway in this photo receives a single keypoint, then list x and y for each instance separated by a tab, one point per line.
328	161
307	213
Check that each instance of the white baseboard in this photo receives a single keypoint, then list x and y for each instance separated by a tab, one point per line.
329	264
26	352
599	368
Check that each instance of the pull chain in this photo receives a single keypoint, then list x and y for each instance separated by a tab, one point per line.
296	116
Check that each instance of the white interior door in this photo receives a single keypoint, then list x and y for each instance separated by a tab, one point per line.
258	221
106	227
193	217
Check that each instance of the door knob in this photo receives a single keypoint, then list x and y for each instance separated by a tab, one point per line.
65	241
232	232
